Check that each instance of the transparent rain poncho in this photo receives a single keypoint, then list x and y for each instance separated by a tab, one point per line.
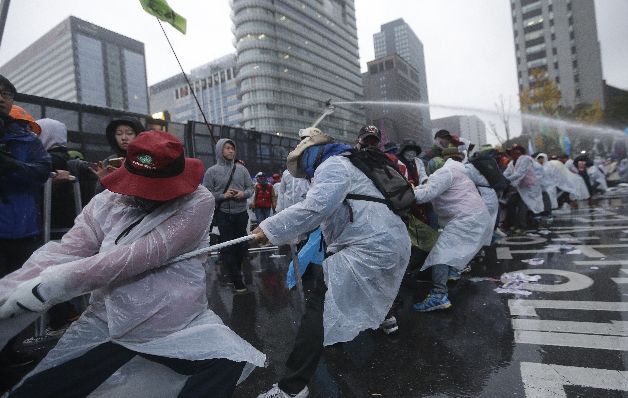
290	190
462	213
523	177
550	179
488	194
569	181
135	302
370	247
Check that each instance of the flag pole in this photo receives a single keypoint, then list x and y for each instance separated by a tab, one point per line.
211	132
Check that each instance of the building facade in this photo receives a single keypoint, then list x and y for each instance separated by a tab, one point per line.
397	37
470	127
294	55
391	78
78	61
559	38
216	89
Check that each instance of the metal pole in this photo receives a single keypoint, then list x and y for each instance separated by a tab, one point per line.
3	17
40	325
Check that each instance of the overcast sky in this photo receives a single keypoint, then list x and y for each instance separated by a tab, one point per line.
469	49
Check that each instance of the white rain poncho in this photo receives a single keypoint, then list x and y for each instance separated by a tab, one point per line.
290	190
568	181
461	212
134	303
523	176
370	253
550	180
596	174
487	193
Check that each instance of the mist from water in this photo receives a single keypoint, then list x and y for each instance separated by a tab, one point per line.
523	117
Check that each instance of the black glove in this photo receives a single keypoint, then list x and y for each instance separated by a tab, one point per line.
8	164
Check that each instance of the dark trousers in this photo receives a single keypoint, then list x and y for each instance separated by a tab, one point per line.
547	205
15	252
517	212
232	226
308	346
80	376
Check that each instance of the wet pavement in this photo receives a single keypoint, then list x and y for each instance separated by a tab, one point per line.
568	338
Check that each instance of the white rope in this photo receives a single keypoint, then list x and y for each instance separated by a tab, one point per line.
209	249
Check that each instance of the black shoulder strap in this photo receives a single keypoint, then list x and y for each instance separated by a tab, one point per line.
228	183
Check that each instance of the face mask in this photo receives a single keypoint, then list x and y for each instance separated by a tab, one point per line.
441	143
409	155
144	204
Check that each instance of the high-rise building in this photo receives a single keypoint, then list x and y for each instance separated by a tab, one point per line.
470	127
559	38
391	78
294	55
216	90
396	37
81	62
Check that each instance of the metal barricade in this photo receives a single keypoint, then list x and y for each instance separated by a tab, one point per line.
40	325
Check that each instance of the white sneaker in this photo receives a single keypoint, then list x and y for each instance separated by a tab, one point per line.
277	392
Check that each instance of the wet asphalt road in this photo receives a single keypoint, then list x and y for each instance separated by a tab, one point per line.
571	341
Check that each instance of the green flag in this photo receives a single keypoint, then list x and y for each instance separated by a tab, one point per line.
162	10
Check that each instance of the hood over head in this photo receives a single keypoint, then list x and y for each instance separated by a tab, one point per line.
219	146
53	133
111	132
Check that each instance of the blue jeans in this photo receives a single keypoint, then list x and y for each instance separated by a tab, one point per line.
440	274
261	213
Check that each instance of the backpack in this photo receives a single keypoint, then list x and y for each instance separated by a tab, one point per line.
488	167
397	191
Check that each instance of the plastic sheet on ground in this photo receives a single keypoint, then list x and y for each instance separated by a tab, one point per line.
576	251
514	282
544	232
534	261
482	279
310	253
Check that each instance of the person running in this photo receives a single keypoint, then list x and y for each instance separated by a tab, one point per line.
142	304
367	253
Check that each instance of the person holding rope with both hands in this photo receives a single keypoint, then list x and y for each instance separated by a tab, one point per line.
153	210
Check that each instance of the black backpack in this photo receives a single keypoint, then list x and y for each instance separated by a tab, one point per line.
397	191
488	167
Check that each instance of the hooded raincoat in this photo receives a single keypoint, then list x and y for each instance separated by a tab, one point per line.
368	243
486	192
523	176
135	302
551	177
569	181
462	213
290	190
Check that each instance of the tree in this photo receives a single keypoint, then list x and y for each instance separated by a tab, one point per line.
543	96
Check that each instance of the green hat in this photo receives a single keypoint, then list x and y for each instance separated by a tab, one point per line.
451	152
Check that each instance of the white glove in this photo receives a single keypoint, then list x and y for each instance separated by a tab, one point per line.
24	299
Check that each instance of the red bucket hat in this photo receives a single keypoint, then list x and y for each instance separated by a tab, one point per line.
155	169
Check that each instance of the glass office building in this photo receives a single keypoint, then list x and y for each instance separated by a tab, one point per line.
78	61
292	56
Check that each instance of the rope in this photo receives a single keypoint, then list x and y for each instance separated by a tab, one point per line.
209	249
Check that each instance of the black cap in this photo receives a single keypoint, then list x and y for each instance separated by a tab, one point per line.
442	134
371	131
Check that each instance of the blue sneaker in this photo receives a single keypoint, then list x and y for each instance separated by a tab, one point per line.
433	302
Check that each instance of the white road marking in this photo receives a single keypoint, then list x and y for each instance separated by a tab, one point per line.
522	240
598	342
575	281
588	229
520	307
614	328
547	380
601	262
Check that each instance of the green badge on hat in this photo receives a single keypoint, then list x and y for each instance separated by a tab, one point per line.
145	159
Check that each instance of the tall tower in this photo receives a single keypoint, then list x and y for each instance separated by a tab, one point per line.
292	56
396	37
559	38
